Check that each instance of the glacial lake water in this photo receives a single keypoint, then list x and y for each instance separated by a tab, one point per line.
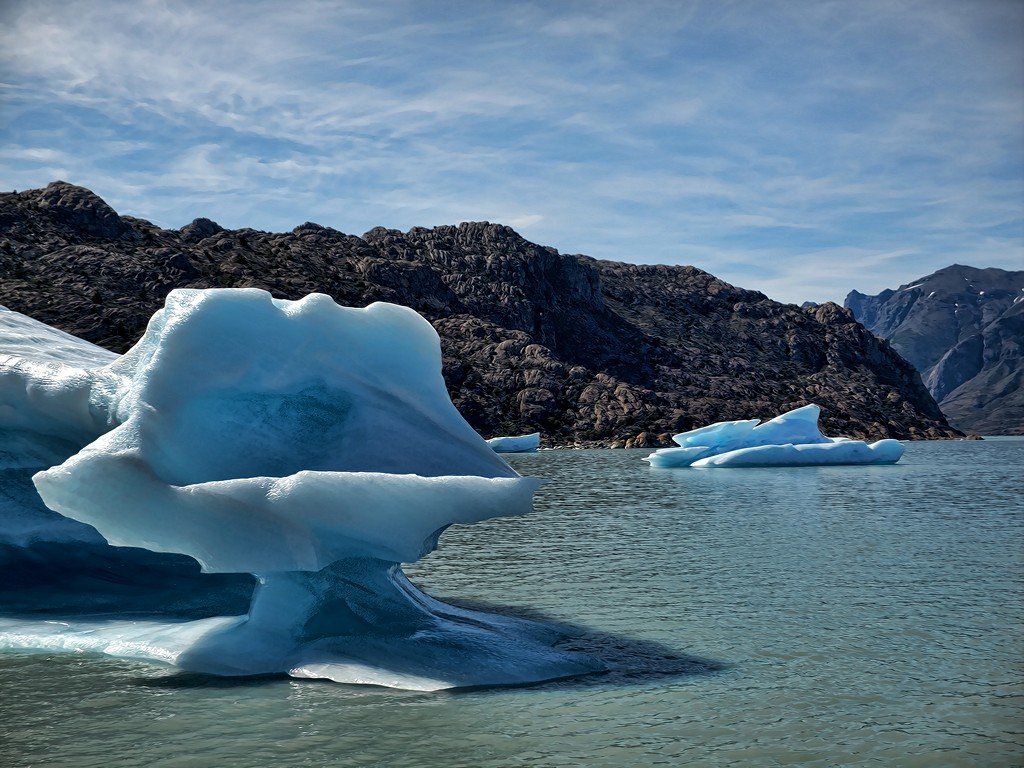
814	616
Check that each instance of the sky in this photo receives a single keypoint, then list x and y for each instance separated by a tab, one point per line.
802	148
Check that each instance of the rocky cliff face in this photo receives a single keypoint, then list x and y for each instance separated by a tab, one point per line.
585	351
963	328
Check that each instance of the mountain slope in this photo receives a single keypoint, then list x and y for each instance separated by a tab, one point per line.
963	328
584	351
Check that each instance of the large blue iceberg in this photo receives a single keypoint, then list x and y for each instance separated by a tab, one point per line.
790	440
312	445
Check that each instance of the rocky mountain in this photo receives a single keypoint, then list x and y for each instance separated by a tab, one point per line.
585	351
963	328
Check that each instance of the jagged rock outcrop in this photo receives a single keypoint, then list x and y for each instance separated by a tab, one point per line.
584	351
963	328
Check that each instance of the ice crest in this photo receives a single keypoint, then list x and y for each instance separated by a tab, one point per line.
244	424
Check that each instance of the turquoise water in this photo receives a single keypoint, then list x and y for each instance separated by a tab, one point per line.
812	616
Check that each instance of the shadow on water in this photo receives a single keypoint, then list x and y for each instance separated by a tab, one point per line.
194	680
628	661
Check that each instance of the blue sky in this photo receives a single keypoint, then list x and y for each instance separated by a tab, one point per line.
799	148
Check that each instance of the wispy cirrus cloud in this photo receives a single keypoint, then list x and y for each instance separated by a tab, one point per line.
801	149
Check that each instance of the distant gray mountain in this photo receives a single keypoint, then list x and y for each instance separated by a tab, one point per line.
963	329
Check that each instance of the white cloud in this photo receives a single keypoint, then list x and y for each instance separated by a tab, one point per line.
793	148
521	222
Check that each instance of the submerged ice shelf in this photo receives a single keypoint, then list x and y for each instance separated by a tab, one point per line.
312	445
790	440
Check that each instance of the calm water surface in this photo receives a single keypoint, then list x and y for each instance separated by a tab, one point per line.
812	616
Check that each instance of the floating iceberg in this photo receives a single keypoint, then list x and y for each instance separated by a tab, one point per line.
312	445
790	440
518	444
30	350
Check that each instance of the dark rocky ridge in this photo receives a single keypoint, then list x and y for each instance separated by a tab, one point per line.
963	328
585	351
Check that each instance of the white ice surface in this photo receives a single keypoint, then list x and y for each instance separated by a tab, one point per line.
841	452
792	439
28	339
303	522
517	444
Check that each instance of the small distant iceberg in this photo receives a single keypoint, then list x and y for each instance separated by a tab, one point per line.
790	440
518	444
